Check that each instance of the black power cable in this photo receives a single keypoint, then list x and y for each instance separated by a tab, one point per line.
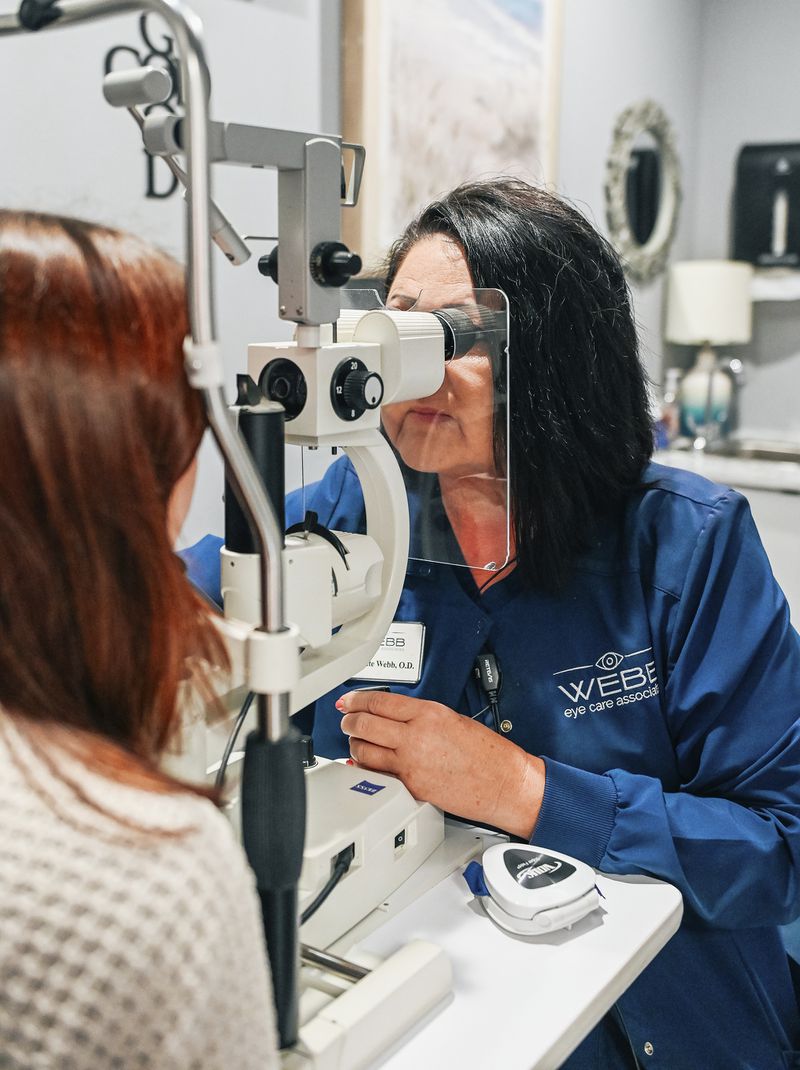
219	780
615	1015
340	867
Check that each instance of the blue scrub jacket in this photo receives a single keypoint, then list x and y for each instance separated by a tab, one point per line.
662	690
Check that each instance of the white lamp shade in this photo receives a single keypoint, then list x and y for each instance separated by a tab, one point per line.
709	301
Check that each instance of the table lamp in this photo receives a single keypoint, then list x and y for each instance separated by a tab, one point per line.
708	305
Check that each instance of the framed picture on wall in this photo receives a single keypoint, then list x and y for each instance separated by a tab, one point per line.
440	92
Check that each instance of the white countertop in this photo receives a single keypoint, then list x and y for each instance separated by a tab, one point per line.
526	1002
735	471
520	1003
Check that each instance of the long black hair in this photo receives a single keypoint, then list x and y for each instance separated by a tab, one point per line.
581	432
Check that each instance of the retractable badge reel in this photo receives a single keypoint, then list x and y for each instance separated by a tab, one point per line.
530	891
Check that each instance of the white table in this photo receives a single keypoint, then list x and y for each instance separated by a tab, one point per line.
524	1002
742	472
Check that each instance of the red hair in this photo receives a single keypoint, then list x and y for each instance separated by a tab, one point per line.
98	421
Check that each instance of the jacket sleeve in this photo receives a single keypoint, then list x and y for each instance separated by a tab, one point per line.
202	566
729	837
336	499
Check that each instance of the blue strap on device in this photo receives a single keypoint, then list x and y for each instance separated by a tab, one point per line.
473	875
529	891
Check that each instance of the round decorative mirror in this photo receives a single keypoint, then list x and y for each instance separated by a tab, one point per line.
643	189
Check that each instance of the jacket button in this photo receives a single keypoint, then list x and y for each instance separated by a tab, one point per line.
648	1048
506	726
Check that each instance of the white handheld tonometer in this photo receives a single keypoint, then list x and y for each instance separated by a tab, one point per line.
530	891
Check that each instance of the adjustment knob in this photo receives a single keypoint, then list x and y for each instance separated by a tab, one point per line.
268	264
283	381
362	390
355	389
332	263
307	752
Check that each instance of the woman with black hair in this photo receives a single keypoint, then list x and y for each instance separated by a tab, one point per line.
648	719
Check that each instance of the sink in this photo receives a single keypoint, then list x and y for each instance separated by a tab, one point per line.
757	449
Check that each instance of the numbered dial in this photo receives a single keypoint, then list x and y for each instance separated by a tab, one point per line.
355	389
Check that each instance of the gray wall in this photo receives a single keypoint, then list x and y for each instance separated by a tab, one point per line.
726	73
750	93
273	62
615	53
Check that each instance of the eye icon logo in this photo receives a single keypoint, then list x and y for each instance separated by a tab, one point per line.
609	661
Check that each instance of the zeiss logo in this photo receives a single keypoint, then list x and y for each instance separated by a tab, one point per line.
365	788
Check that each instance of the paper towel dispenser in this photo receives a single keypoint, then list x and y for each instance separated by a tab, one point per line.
766	205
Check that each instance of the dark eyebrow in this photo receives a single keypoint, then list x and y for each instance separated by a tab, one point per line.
404	297
413	301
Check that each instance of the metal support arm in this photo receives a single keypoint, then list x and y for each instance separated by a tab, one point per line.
276	754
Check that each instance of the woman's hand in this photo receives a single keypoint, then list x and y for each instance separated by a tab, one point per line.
445	759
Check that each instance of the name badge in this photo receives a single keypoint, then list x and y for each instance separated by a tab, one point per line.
398	660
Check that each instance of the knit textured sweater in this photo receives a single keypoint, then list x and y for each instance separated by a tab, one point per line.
130	932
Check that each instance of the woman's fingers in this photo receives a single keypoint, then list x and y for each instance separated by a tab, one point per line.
381	703
373	729
371	756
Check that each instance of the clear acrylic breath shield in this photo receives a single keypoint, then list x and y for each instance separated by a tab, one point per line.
452	446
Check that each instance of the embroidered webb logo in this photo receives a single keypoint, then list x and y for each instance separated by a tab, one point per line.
611	681
609	661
